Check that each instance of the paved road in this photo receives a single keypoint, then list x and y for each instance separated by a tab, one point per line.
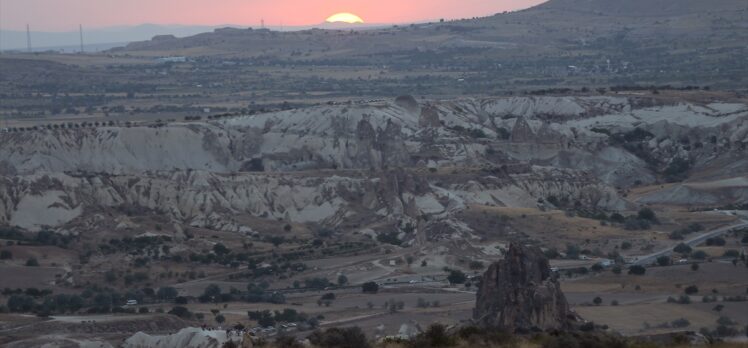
652	258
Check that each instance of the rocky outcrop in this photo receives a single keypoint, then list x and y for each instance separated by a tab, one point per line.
186	338
211	200
583	133
520	293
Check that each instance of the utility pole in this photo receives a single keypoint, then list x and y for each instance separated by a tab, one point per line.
28	38
263	23
81	30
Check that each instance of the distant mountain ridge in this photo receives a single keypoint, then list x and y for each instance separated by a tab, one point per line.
105	38
40	40
648	8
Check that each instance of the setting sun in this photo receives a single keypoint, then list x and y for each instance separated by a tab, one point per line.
345	18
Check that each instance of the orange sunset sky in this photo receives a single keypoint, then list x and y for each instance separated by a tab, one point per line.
62	15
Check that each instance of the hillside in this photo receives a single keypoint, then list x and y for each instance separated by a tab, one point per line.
333	157
646	8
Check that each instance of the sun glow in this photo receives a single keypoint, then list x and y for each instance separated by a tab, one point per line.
345	18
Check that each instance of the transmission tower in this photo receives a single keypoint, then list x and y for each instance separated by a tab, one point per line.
81	31
28	38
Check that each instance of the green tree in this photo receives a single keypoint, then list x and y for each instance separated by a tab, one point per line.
32	262
647	214
663	261
342	280
212	290
456	277
167	293
370	287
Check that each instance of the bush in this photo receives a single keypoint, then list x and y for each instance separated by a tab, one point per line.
637	270
663	261
389	238
370	287
677	170
682	299
352	337
682	248
597	301
456	277
647	214
732	253
181	312
634	224
6	255
694	266
691	290
680	323
342	280
435	336
32	262
699	255
167	293
317	283
476	265
715	241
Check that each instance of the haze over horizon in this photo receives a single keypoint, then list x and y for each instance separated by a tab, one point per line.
43	15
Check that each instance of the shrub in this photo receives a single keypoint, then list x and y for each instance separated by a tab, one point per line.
732	253
456	277
476	265
370	287
435	336
677	170
597	301
647	214
637	270
634	224
342	280
32	262
682	248
166	293
6	255
317	283
680	323
699	255
691	290
715	241
352	337
181	312
663	261
389	238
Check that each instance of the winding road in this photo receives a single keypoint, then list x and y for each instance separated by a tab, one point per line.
652	258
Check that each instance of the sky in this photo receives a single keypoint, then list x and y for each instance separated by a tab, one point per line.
65	15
